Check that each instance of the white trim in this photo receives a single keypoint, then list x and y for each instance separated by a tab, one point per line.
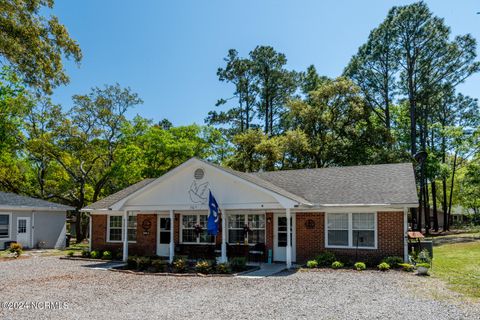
246	214
108	229
351	245
405	234
28	230
89	232
198	214
10	222
172	237
289	240
32	228
125	235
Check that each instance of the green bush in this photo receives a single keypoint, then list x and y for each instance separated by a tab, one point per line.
424	265
85	253
423	257
393	261
142	263
180	265
325	259
16	248
203	266
160	265
360	266
223	268
238	263
337	265
95	254
70	253
311	264
107	255
383	266
119	256
406	267
132	262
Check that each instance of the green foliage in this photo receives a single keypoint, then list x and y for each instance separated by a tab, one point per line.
238	263
360	266
203	266
70	253
85	254
16	248
132	262
423	257
142	263
180	265
223	268
423	265
160	265
95	254
383	266
325	259
337	265
393	261
107	255
407	267
311	264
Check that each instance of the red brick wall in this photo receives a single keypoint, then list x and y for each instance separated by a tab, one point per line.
269	232
145	244
310	241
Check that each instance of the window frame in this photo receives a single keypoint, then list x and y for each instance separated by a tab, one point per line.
245	215
9	228
351	244
197	239
122	233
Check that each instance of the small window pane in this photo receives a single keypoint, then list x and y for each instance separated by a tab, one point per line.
164	237
363	221
188	235
236	236
337	221
338	237
236	221
189	221
282	239
256	221
22	226
256	236
115	234
132	222
364	238
203	220
115	221
205	237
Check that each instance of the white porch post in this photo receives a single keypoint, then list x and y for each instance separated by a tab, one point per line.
125	235
405	234
90	232
172	239
224	237
289	242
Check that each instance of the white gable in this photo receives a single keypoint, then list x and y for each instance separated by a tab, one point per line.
187	187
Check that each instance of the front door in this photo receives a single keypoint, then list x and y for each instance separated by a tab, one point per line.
280	237
23	231
163	245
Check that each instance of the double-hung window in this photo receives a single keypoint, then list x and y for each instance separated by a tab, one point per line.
5	221
115	228
351	230
248	228
194	229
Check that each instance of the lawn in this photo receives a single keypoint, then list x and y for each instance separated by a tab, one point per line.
458	265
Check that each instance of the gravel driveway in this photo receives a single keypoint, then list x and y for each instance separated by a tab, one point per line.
324	294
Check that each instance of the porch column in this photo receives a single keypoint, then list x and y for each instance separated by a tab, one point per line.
405	234
125	236
224	237
172	239
289	242
90	232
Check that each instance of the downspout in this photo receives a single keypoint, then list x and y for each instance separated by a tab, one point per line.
405	234
90	232
32	227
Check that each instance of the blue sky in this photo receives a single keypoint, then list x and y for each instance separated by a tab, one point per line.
168	51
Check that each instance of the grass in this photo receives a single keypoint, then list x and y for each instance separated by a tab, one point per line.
458	265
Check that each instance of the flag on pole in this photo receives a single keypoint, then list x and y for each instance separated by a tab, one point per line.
212	223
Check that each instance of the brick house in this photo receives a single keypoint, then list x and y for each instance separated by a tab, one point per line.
357	212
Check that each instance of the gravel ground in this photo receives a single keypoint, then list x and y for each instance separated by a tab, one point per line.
324	294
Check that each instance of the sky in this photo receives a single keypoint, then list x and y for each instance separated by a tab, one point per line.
169	51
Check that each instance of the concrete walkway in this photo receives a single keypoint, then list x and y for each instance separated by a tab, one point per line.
265	270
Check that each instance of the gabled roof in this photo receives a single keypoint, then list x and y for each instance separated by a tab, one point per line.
12	200
385	184
106	202
389	184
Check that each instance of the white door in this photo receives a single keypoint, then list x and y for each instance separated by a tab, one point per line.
23	231
280	238
163	236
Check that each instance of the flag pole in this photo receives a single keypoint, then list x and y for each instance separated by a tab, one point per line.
223	257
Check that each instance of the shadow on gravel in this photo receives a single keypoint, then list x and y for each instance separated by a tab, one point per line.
440	241
103	265
285	273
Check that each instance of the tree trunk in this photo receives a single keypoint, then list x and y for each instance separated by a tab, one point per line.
434	203
451	190
426	208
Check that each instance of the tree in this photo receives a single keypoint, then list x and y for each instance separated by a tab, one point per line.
33	45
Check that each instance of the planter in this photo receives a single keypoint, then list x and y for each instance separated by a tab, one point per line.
423	271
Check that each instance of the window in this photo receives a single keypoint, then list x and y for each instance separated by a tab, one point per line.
115	228
189	232
237	224
351	230
4	226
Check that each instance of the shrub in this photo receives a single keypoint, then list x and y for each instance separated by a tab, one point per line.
238	263
337	265
142	263
180	265
406	267
393	261
423	257
119	256
383	266
311	264
360	266
132	262
424	265
203	266
325	259
223	268
16	248
95	254
70	253
160	265
107	255
85	253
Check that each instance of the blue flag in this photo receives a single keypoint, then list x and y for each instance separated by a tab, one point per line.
212	224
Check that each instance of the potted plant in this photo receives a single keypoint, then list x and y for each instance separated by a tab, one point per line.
422	268
198	230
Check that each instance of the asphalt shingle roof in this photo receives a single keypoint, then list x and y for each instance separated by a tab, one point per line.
15	200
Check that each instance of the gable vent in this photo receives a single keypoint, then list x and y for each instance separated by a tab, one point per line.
199	174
